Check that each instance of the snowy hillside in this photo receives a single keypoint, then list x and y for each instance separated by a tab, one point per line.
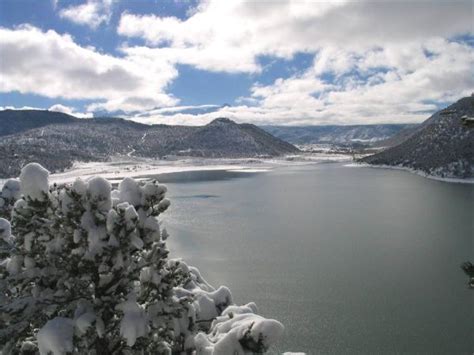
225	138
336	135
442	146
57	145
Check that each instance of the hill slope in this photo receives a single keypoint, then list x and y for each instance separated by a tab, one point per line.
15	121
58	144
443	145
337	135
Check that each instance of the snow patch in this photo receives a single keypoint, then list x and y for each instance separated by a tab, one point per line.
134	323
99	189
56	337
239	334
11	189
34	181
5	229
130	192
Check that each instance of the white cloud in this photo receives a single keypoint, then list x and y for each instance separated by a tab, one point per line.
3	108
230	35
438	71
404	92
56	108
70	111
53	65
92	13
177	109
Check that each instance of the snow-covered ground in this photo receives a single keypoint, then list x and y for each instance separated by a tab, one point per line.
116	171
142	168
413	171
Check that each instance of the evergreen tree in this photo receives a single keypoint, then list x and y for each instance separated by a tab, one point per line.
85	270
93	264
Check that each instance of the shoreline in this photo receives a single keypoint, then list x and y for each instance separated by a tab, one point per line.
415	172
117	170
143	172
141	168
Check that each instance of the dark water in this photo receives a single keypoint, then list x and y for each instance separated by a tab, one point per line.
350	260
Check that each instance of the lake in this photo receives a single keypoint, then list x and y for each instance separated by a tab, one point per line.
350	260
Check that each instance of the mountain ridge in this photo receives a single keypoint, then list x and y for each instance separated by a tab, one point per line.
68	139
336	134
443	145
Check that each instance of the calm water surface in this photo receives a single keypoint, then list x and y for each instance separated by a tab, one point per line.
350	260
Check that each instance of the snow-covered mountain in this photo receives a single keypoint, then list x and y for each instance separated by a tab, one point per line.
335	134
443	145
56	144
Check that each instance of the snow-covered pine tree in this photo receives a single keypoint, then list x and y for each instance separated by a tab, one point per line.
87	271
76	264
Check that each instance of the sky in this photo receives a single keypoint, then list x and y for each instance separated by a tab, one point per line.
288	62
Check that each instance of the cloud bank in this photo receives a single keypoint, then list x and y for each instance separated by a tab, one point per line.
373	61
230	35
53	65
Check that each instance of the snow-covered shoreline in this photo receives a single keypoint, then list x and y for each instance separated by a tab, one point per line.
413	171
142	168
139	171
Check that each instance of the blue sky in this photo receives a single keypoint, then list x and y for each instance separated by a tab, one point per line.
273	62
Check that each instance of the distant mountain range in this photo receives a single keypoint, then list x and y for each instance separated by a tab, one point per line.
354	135
56	140
443	145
